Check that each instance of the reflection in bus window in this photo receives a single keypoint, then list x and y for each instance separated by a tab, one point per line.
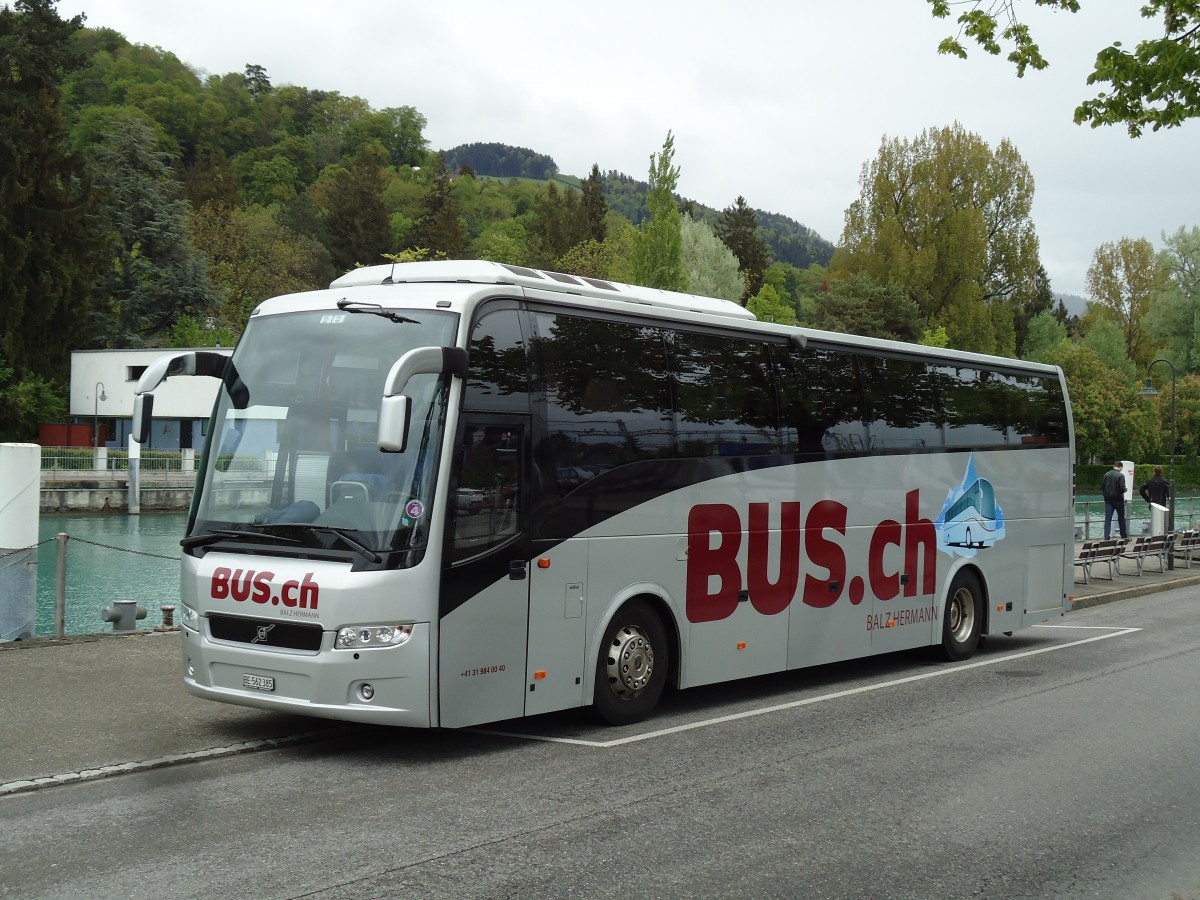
608	399
487	504
725	402
820	401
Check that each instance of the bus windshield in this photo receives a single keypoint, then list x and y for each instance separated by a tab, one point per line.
292	454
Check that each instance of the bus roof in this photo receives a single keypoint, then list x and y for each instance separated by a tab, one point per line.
672	304
483	272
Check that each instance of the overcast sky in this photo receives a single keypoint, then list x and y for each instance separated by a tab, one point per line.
780	101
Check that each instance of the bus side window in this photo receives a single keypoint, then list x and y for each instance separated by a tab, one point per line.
607	395
906	411
974	406
820	402
487	500
498	376
724	398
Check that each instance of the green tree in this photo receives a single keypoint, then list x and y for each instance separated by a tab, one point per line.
502	242
1107	341
52	252
439	228
356	219
1122	280
1173	319
738	228
156	275
710	268
1157	84
252	257
1043	338
557	225
595	207
858	304
658	252
769	305
187	332
1111	419
947	220
27	402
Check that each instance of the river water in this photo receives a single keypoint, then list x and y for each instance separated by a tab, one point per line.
101	567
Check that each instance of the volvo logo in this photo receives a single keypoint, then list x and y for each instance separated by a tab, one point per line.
263	631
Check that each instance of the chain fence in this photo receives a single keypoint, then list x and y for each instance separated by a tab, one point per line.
62	539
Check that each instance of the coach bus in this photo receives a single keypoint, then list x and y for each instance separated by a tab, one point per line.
439	494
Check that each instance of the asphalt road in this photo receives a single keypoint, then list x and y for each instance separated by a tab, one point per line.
1062	762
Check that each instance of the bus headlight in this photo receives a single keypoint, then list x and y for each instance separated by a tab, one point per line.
361	637
188	617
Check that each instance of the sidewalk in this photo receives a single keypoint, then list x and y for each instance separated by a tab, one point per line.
97	705
87	707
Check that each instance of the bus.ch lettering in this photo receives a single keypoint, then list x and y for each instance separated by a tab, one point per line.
816	539
246	584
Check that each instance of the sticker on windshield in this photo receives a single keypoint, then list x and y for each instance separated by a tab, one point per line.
415	509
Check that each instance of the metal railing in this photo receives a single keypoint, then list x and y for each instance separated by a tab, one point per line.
1089	517
66	464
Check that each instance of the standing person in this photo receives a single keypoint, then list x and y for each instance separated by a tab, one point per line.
1113	488
1157	489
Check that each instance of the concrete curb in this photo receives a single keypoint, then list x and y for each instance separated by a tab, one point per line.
1137	590
291	740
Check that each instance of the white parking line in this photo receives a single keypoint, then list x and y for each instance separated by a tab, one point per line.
809	701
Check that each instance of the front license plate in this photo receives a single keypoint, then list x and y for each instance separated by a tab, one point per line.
258	682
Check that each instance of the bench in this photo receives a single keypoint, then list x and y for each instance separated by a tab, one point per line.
1160	547
1187	542
1134	549
1141	549
1094	553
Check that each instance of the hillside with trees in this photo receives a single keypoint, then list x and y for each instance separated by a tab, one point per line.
143	204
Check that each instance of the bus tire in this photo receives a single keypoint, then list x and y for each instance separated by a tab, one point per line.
962	622
631	668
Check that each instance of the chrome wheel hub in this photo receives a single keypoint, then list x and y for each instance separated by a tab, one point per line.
630	661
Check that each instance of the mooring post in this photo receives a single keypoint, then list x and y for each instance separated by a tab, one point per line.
60	585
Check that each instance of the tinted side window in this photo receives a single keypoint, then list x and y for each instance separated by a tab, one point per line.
498	379
1037	410
724	398
905	410
608	399
488	499
975	406
820	400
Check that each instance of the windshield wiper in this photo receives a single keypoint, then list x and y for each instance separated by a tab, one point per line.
216	534
358	306
344	533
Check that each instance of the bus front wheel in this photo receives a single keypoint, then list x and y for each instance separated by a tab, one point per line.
963	619
631	670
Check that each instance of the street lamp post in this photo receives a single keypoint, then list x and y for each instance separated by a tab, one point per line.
98	396
1149	391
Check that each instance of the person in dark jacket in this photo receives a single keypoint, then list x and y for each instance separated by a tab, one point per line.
1157	489
1112	486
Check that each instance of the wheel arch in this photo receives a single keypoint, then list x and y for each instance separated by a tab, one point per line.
660	602
968	566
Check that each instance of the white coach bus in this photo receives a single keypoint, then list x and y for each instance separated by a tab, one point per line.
446	493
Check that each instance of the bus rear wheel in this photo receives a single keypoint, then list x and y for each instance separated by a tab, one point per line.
631	670
962	622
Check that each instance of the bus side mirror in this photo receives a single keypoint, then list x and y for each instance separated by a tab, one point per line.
395	408
143	413
394	413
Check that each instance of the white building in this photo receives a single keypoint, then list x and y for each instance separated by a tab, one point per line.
102	388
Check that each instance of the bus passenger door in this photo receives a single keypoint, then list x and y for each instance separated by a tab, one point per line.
484	600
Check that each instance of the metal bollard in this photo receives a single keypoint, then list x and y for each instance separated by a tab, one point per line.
124	615
168	615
